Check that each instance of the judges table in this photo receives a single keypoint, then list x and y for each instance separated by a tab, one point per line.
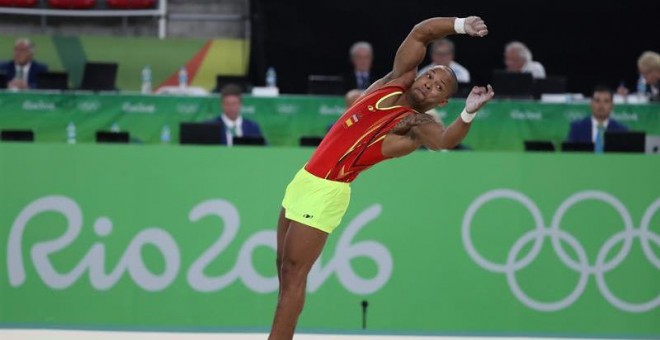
501	125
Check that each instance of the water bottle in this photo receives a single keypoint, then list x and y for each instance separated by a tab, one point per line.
183	77
641	88
165	134
146	80
271	77
115	127
71	133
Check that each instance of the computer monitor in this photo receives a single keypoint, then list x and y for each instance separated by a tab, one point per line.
630	141
539	145
53	81
463	90
222	81
323	84
200	133
577	147
17	135
550	85
112	137
252	141
312	141
512	84
99	76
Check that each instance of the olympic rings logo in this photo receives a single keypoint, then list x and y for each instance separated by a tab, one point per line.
557	236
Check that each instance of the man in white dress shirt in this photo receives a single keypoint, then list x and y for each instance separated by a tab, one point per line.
592	129
234	125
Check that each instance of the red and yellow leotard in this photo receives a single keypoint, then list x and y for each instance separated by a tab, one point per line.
354	143
319	194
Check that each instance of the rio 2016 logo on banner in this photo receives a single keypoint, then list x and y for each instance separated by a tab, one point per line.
582	266
132	261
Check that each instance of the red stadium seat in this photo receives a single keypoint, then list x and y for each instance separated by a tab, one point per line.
131	4
18	3
72	4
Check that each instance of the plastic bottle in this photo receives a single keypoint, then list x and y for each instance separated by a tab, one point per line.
183	77
641	88
146	80
115	127
165	134
271	77
71	133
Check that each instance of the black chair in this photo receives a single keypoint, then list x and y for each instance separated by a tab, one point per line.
513	85
112	137
328	85
577	147
551	85
99	76
221	81
539	145
250	141
17	135
630	141
53	81
200	133
310	141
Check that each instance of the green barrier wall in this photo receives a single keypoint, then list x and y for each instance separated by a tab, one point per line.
454	243
502	125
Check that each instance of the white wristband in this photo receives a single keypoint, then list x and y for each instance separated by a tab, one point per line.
459	25
467	117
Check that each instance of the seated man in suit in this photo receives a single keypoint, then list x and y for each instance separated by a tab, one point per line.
233	123
21	72
361	76
592	129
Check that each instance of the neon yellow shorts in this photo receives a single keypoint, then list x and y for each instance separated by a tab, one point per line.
315	201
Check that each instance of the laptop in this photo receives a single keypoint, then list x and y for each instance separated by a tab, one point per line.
200	133
112	137
539	145
323	84
99	76
549	85
577	147
630	141
53	81
312	141
513	85
17	135
252	141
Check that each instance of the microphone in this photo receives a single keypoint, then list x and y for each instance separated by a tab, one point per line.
365	304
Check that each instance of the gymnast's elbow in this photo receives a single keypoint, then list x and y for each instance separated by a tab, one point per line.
435	144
